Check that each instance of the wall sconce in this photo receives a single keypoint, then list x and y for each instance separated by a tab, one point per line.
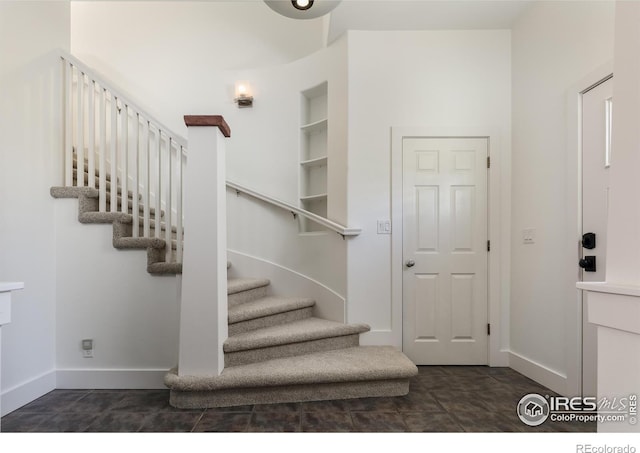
244	96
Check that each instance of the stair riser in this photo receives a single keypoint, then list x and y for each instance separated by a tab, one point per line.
288	394
268	321
119	189
86	165
107	186
96	176
125	231
108	189
152	211
156	264
290	350
247	296
152	233
91	204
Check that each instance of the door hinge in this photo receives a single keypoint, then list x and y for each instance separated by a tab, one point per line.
488	246
488	329
488	162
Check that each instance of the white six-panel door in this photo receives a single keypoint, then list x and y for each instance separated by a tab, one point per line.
445	250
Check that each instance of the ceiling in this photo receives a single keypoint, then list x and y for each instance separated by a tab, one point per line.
424	15
398	14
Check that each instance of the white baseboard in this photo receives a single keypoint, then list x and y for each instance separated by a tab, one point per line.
111	379
539	373
16	397
380	338
499	358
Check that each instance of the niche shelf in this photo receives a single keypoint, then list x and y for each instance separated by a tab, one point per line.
314	125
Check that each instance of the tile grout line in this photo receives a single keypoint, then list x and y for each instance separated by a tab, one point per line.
198	421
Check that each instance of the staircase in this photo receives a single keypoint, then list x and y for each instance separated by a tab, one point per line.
277	351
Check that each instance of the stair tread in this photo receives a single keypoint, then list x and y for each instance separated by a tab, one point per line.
361	363
267	306
294	332
237	285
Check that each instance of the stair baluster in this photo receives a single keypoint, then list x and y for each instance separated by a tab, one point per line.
132	162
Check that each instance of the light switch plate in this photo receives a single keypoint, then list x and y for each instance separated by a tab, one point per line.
529	236
384	226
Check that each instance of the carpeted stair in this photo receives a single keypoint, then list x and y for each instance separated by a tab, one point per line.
88	212
277	351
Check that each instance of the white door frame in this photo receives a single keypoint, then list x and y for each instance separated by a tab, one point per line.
573	296
498	215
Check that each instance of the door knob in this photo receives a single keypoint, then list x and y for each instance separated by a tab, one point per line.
589	240
588	263
410	263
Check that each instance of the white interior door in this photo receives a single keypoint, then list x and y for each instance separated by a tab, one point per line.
596	152
445	250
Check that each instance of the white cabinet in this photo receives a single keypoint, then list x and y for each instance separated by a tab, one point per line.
314	126
5	300
5	310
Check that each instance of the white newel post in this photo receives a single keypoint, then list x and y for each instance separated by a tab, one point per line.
203	307
614	305
5	315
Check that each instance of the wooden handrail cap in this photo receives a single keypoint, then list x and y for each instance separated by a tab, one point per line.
208	120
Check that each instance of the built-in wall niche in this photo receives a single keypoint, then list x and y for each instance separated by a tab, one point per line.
314	126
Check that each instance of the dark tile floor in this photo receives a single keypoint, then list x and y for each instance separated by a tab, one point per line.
441	399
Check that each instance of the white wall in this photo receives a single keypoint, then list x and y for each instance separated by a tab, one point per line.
555	45
437	80
107	295
623	250
265	242
614	305
30	130
166	53
177	58
265	156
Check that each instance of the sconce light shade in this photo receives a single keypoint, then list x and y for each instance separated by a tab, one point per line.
244	96
302	9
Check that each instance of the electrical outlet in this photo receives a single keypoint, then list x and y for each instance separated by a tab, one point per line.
384	226
529	236
87	348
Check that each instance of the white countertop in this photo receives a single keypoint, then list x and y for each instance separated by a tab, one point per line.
604	287
10	286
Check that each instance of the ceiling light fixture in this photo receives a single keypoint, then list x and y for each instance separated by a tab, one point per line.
302	5
302	9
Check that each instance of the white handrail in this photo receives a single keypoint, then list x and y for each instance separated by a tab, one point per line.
340	229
